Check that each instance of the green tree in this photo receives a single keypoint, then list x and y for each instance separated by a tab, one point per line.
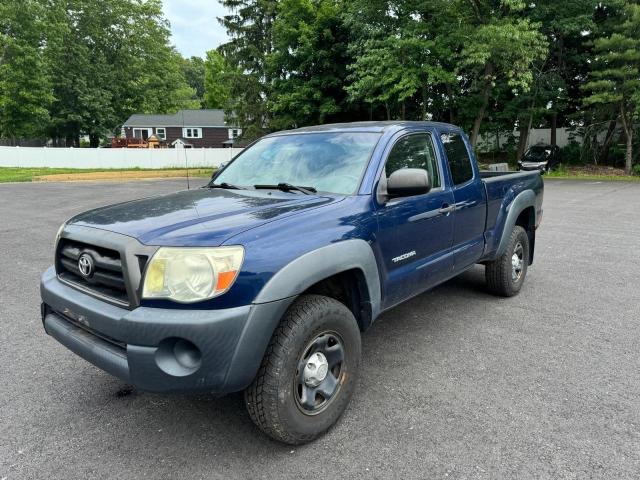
193	70
402	54
112	59
216	80
308	64
25	89
615	78
498	46
250	28
567	26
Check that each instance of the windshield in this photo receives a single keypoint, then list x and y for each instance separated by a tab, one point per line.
327	162
537	154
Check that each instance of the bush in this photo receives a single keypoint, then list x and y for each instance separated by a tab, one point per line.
616	156
561	170
570	154
635	170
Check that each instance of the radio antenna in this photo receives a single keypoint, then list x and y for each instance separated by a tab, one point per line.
184	147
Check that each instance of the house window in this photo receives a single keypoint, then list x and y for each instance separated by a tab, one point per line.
161	133
234	133
191	132
142	133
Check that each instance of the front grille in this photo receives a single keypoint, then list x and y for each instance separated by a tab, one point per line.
107	279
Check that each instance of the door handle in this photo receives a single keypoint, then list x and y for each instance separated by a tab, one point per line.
447	209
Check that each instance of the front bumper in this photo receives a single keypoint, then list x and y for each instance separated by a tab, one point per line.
146	346
533	166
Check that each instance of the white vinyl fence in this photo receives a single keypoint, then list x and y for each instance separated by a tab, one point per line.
115	157
488	141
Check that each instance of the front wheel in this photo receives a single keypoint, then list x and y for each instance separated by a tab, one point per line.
505	275
308	373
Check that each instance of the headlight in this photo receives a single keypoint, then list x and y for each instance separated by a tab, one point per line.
190	275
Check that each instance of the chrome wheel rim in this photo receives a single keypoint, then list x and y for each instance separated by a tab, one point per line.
320	373
517	262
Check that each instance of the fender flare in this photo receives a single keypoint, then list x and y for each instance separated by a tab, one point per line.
314	266
522	201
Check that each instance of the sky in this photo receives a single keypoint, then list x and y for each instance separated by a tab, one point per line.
194	28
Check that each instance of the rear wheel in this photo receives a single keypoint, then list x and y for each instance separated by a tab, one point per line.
309	371
505	275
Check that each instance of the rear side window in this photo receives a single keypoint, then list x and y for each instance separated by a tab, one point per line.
415	151
458	157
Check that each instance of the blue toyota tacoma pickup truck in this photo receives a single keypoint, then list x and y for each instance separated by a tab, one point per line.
264	279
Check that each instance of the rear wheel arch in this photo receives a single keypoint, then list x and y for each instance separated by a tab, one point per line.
521	209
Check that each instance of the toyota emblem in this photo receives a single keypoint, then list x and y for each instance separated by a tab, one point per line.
85	265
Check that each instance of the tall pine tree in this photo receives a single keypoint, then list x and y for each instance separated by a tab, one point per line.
308	65
615	78
250	29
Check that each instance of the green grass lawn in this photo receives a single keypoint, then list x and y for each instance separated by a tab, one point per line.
14	174
598	173
580	176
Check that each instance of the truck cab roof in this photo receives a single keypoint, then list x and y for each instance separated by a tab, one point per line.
371	126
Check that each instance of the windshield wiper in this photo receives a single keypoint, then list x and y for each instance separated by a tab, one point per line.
228	186
287	187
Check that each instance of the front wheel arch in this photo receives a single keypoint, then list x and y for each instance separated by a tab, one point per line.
325	262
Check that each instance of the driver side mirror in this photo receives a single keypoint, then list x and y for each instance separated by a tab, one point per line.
407	182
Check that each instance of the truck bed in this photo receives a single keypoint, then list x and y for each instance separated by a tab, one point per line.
501	188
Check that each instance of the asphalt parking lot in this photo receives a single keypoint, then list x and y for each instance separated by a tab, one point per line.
454	384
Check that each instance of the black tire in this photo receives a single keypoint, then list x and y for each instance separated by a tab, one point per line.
275	398
500	274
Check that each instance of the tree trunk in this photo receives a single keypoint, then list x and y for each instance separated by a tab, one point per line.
94	141
386	106
628	158
627	124
450	95
522	142
524	137
604	151
554	121
486	91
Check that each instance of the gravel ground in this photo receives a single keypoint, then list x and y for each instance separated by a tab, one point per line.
455	383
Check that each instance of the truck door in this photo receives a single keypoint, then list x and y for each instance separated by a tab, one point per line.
470	202
416	232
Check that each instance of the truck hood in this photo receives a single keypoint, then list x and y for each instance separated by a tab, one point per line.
202	217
